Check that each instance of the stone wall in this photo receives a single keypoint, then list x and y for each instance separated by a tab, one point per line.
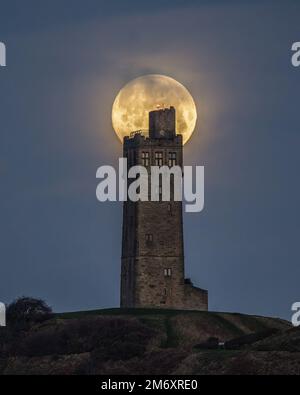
195	298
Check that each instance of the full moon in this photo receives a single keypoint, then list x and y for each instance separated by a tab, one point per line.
136	99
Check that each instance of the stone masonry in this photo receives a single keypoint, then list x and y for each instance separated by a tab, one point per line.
152	271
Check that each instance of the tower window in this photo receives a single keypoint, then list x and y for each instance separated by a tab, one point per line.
168	272
145	159
172	159
158	158
149	238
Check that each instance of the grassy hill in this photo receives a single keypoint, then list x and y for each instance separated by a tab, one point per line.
152	341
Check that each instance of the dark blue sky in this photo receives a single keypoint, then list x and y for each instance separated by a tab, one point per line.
66	62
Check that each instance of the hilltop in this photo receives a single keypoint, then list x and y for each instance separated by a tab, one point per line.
150	341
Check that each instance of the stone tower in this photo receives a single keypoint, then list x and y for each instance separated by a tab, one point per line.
152	272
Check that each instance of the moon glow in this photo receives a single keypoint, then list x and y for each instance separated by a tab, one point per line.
136	99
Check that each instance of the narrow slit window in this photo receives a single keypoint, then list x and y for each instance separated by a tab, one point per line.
158	158
149	238
145	159
168	272
172	159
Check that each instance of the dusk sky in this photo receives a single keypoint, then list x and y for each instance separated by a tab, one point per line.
66	62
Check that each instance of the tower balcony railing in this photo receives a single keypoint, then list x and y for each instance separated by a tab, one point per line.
140	132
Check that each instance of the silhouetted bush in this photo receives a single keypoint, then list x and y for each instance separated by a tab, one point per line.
25	311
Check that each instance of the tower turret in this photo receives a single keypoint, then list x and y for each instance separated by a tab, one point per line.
162	123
